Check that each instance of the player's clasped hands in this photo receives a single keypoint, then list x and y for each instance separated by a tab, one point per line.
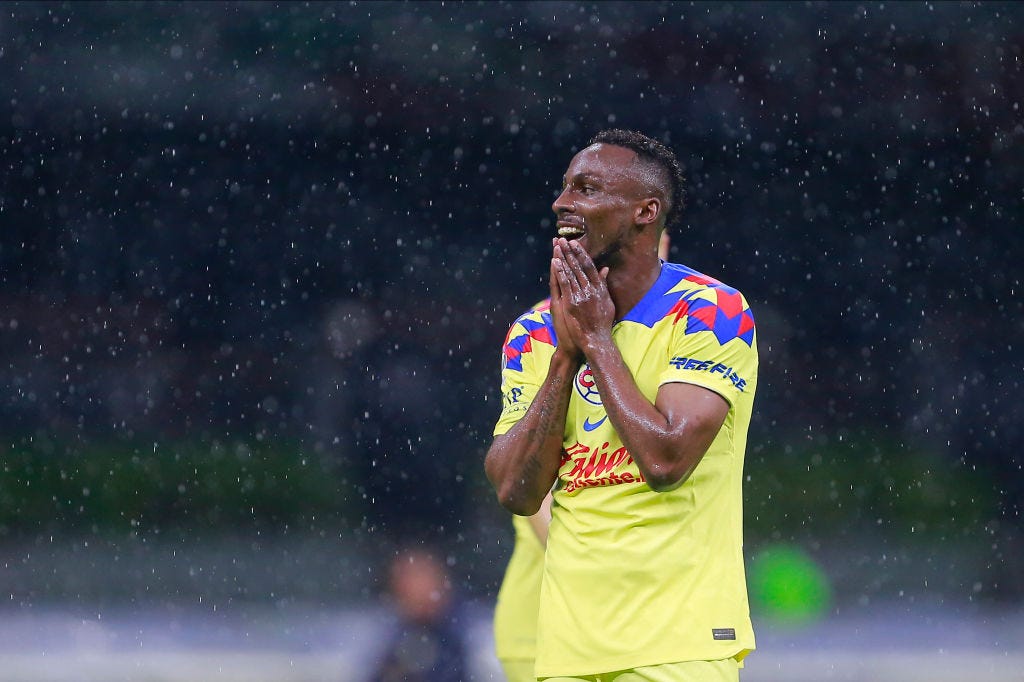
579	294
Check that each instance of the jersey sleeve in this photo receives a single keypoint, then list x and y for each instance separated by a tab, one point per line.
524	362
713	344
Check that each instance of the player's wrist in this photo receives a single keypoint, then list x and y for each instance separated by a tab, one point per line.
598	342
566	360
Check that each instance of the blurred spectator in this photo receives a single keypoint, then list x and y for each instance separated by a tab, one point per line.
428	641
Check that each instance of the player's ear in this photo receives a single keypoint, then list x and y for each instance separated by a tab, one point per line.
647	211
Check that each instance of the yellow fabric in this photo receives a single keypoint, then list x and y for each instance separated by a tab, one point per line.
633	577
726	670
515	614
518	669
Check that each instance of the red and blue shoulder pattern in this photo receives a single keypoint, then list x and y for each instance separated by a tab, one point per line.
680	292
706	304
532	326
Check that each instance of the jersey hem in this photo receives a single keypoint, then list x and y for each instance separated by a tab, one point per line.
628	663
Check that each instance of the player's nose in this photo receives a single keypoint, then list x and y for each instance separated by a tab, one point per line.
562	204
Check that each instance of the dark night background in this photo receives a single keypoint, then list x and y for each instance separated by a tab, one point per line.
257	262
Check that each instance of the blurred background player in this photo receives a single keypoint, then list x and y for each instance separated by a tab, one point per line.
515	613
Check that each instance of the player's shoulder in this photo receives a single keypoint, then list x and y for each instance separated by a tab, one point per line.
538	313
709	305
686	278
680	290
538	308
535	323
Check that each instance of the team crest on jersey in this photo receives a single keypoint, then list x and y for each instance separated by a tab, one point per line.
586	386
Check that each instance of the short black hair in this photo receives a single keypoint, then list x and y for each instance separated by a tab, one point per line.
650	150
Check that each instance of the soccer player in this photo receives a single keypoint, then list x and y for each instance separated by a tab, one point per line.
515	613
631	395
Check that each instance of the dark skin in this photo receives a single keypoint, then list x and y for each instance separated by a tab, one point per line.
542	519
614	218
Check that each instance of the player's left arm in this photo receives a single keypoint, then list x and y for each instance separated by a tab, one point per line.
668	438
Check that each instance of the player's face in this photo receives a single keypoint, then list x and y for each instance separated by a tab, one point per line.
598	203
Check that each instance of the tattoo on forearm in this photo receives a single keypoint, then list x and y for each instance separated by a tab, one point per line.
548	411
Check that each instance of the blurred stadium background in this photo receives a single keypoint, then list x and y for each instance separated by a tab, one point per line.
257	261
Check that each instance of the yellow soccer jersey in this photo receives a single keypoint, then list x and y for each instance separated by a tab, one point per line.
515	614
634	577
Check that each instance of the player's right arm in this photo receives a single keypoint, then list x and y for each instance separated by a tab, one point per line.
523	462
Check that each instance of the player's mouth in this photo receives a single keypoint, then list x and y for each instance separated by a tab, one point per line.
570	229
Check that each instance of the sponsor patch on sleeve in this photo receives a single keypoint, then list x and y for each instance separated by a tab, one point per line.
711	367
